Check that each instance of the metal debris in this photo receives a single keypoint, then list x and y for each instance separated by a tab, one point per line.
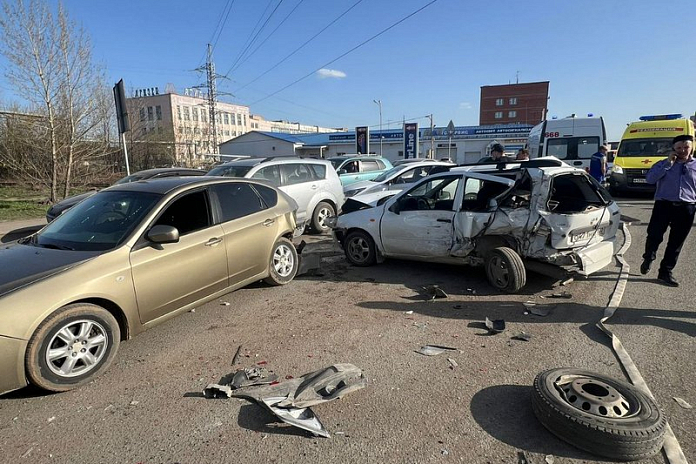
453	363
563	294
214	390
251	376
303	418
224	303
235	358
434	291
434	350
495	326
525	337
549	459
409	312
536	309
682	403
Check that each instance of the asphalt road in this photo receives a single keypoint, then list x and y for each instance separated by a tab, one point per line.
149	408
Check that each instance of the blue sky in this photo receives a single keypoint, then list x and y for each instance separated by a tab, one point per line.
616	59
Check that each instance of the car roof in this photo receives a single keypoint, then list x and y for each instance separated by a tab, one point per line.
166	185
153	172
346	157
274	159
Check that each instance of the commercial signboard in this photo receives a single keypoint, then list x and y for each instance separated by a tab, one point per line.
411	140
362	140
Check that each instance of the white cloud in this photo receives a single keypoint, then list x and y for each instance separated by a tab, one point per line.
334	73
465	106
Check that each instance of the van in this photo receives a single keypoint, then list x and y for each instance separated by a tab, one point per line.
645	142
573	140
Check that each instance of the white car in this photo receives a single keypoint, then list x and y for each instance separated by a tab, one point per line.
396	178
544	216
312	183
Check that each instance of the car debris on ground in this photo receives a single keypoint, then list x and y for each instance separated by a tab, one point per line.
537	309
434	291
290	400
681	402
434	350
495	326
525	337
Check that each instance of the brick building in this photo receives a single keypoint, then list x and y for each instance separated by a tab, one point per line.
514	103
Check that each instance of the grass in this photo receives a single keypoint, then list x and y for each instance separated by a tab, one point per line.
22	202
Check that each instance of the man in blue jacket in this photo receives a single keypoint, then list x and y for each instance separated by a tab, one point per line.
675	204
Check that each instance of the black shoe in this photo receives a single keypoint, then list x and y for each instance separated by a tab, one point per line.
667	278
645	266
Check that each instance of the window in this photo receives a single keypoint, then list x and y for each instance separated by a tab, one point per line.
244	117
412	175
513	100
188	213
370	165
142	114
295	173
196	131
499	102
158	111
319	170
437	194
195	114
478	194
573	193
270	174
226	118
498	115
178	112
239	119
269	195
572	147
150	113
512	114
187	115
237	200
204	116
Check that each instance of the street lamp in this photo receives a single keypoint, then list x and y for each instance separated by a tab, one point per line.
379	102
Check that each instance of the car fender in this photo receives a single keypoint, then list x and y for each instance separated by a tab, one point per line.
367	220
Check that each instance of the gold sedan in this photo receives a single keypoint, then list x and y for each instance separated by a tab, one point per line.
126	259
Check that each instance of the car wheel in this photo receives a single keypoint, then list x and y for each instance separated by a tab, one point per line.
71	347
360	248
321	212
599	414
505	269
284	263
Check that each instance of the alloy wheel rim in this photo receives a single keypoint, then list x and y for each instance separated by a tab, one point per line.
283	261
77	348
358	249
322	215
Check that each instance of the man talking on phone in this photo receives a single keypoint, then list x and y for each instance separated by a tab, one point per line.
675	204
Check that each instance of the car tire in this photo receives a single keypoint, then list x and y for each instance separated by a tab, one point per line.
505	270
321	212
633	431
283	264
360	248
82	340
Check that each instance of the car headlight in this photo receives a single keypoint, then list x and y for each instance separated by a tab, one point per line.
617	169
353	192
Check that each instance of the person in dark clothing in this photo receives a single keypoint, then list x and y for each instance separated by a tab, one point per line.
598	164
675	205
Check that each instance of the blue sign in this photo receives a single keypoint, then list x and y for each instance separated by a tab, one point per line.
362	140
411	140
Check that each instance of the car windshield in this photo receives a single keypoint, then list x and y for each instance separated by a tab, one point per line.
229	171
645	147
99	223
336	162
387	174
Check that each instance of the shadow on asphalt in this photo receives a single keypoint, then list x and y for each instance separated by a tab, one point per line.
505	412
255	418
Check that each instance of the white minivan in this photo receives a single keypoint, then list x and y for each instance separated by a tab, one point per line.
573	140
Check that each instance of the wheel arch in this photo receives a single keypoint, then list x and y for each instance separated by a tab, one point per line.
488	242
115	311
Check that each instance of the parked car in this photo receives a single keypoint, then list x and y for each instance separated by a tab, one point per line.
127	259
354	168
408	160
396	178
544	216
312	183
67	203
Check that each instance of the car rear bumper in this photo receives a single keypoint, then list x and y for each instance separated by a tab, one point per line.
595	257
12	364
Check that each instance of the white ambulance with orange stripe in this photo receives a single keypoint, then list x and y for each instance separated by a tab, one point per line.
643	144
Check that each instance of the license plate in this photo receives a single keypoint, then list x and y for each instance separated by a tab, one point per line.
587	235
639	180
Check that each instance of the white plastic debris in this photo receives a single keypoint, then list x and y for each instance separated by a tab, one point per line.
682	403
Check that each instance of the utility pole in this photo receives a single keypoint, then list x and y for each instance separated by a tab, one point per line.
432	138
211	88
379	102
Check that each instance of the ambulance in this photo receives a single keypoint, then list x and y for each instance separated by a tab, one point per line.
643	143
573	140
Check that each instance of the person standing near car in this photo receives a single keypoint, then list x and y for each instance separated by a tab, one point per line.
497	154
675	204
522	155
598	164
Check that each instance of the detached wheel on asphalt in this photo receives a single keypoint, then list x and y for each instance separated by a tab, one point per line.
360	248
71	347
599	414
505	269
321	212
284	263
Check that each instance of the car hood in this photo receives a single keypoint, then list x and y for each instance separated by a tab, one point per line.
29	264
72	201
363	184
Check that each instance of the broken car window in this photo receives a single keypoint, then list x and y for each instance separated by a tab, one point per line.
573	193
437	194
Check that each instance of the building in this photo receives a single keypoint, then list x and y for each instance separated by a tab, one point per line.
466	144
514	103
259	123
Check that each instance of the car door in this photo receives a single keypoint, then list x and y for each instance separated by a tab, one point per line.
349	172
299	182
250	228
169	276
419	224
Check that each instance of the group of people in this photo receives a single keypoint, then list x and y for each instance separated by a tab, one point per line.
675	200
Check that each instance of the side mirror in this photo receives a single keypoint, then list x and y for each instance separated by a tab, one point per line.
163	234
342	171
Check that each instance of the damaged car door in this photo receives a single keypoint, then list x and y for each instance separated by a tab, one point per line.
419	223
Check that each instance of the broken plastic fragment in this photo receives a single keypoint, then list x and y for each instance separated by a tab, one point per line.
549	459
682	403
434	291
452	362
215	390
303	418
433	350
537	310
251	376
495	326
563	294
525	337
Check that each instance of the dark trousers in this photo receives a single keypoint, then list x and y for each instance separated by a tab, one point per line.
679	216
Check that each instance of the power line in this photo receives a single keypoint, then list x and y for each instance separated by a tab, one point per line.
301	46
349	51
228	8
254	33
258	34
223	24
268	36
